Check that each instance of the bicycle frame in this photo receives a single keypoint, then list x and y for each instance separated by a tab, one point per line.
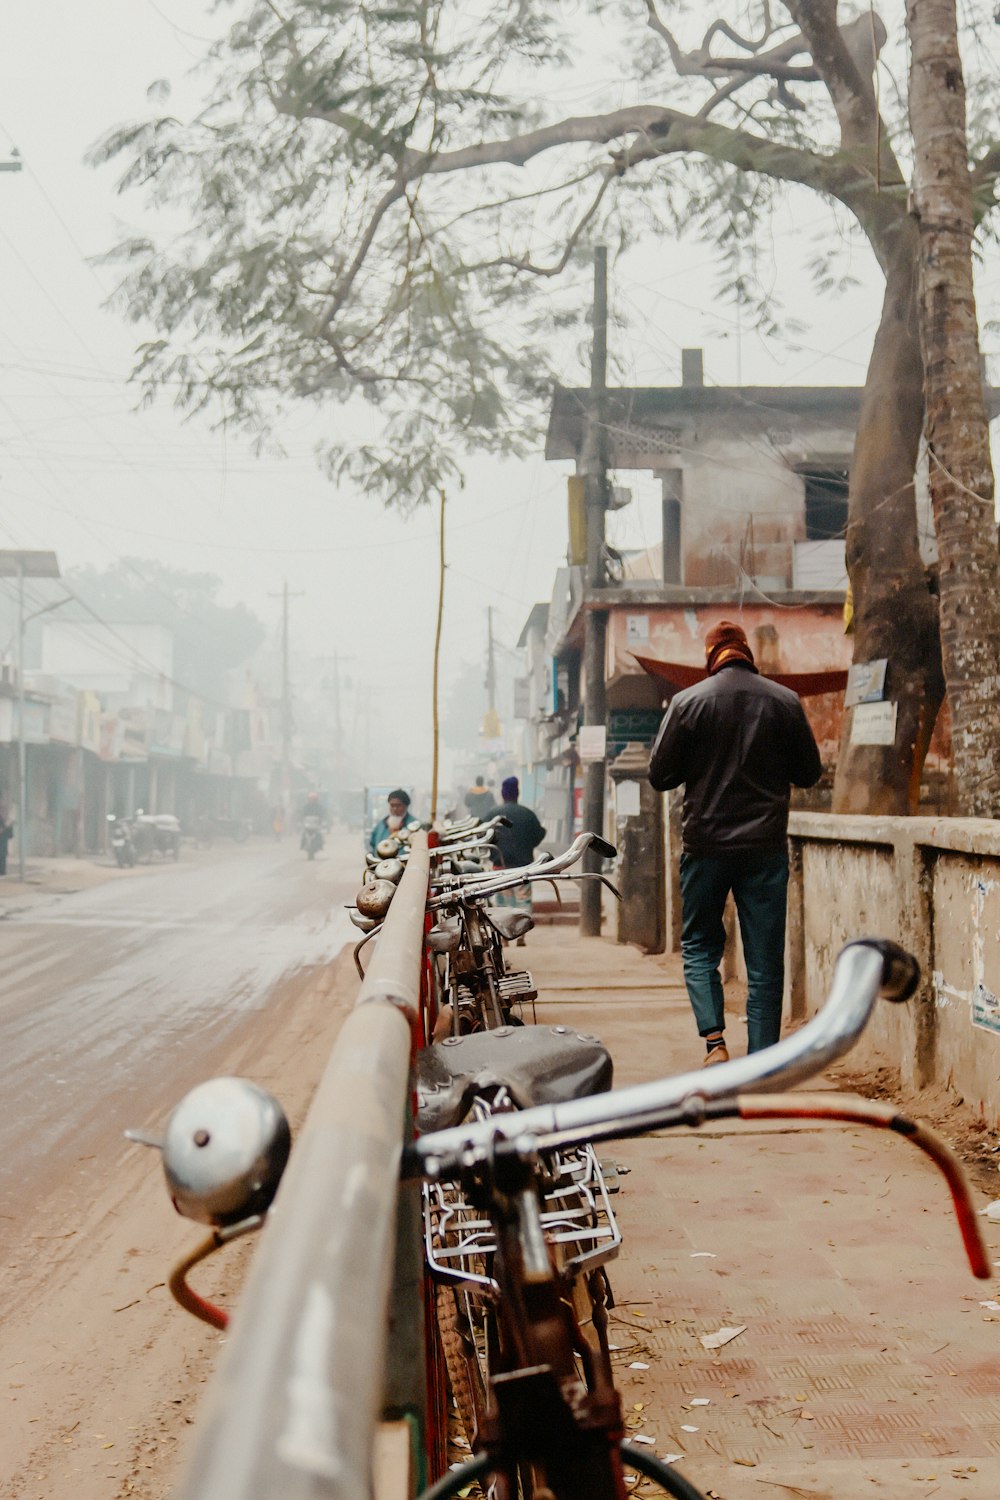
553	1401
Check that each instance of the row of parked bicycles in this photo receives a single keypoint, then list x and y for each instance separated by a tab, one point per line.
511	1115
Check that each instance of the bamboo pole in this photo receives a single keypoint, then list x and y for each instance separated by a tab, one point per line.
437	659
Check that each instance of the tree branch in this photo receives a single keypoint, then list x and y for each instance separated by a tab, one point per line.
687	63
845	58
703	62
659	131
352	125
516	150
342	289
523	263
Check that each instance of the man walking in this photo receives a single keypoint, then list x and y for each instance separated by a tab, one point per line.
515	845
737	742
479	799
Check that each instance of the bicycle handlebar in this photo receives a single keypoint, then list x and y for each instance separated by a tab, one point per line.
854	1111
470	887
864	970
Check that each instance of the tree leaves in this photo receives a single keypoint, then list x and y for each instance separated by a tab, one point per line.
353	228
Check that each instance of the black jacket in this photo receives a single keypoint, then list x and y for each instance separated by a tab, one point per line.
516	845
737	742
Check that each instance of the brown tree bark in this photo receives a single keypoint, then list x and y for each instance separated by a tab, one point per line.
961	472
895	613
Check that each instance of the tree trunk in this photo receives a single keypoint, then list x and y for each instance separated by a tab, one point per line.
895	613
961	473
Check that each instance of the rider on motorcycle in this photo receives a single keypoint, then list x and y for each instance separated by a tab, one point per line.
312	809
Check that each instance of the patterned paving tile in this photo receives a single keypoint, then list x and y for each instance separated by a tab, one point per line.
831	1373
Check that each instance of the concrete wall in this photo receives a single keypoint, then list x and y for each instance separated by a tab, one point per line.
808	638
932	884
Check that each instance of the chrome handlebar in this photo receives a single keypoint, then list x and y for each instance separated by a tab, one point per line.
864	970
471	887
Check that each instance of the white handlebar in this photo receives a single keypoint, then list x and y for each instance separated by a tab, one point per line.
864	969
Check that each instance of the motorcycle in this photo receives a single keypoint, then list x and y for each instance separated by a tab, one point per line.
122	841
312	835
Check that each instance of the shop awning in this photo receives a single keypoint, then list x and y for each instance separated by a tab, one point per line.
806	684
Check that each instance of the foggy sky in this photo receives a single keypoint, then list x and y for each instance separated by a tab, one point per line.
82	473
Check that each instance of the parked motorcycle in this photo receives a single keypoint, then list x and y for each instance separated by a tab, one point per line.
312	835
122	841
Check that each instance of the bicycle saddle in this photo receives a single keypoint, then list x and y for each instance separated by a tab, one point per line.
444	937
536	1064
509	922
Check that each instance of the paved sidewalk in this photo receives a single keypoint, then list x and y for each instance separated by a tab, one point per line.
868	1365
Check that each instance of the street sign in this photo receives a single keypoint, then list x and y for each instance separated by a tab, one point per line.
866	682
28	564
592	742
874	724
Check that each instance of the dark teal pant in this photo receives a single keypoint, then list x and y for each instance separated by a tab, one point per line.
759	883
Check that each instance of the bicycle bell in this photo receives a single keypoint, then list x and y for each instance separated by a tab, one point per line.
224	1150
367	924
373	900
389	869
387	848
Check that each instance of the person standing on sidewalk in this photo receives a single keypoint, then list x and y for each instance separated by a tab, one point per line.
6	831
515	845
479	799
737	743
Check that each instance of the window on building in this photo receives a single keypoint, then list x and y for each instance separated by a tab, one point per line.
826	501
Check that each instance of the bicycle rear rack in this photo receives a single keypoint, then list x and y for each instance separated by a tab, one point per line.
576	1215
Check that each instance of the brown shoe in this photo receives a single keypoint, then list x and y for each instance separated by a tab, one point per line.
717	1055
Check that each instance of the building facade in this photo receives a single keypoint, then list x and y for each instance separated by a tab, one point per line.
754	492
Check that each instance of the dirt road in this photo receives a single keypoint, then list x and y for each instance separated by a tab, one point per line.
866	1359
114	1001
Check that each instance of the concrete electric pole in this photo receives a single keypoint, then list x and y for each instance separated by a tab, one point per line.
286	690
491	728
594	463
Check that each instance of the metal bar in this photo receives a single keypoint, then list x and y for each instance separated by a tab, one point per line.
293	1408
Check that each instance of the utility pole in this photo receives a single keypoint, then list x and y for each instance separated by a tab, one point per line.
491	666
286	690
594	463
22	565
491	719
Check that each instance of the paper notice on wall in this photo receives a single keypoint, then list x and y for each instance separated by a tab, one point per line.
985	1008
592	741
627	799
873	724
637	630
866	682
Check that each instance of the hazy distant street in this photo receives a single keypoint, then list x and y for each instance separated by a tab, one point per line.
114	1000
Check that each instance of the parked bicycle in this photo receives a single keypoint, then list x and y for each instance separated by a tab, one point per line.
517	1220
473	989
519	1227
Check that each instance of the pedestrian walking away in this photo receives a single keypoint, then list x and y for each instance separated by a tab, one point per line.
6	831
515	846
479	799
737	743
